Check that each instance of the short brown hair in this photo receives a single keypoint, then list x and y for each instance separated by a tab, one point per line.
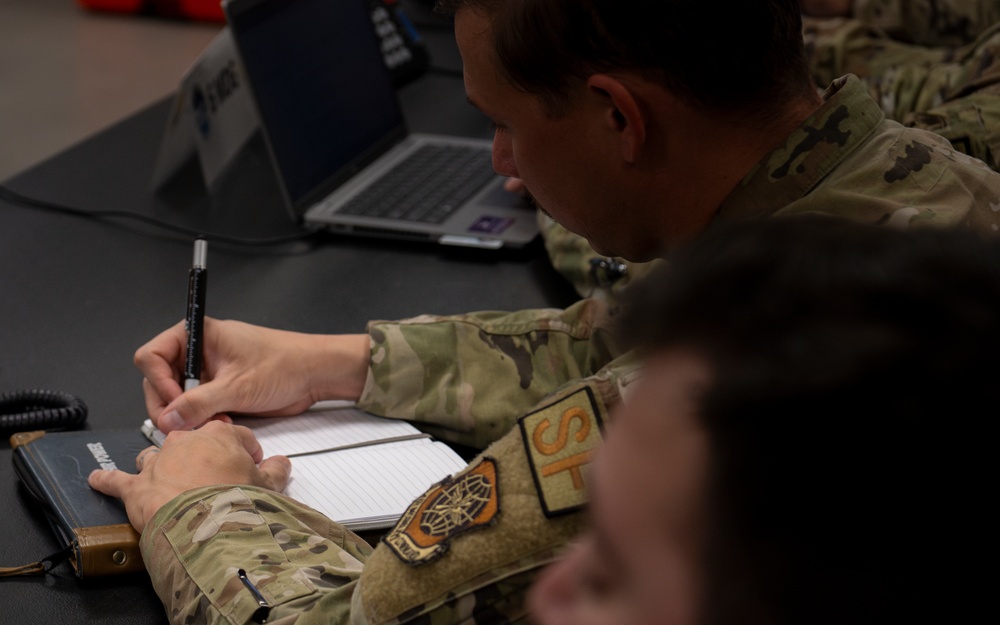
737	56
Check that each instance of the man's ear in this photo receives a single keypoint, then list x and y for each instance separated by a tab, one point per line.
624	114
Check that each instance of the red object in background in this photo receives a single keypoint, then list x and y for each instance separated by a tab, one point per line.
201	10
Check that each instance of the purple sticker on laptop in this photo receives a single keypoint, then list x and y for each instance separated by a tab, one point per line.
491	225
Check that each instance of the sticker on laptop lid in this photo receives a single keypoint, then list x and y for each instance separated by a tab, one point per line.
458	504
491	225
560	440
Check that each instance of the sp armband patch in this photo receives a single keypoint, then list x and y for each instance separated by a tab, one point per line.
456	505
560	440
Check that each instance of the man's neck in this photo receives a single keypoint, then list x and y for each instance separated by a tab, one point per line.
708	157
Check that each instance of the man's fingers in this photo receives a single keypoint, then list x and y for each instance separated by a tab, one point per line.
144	455
154	402
513	185
113	482
170	408
249	442
220	430
194	407
276	472
160	390
160	360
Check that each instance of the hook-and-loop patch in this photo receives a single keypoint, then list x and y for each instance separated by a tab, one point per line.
560	440
467	501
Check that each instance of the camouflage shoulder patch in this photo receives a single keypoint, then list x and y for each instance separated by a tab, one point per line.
557	461
467	501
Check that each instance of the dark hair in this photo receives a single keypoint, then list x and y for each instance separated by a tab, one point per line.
741	56
854	375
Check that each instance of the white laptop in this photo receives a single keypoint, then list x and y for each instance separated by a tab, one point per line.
337	137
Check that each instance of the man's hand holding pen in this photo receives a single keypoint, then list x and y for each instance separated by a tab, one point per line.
249	369
202	369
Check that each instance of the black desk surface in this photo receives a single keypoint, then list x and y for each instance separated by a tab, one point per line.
79	295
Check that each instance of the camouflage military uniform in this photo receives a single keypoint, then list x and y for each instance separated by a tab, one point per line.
591	274
473	374
519	502
213	553
929	22
953	91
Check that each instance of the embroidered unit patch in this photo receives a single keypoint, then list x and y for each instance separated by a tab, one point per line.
458	504
560	440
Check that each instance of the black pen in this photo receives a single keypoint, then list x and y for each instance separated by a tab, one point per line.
195	320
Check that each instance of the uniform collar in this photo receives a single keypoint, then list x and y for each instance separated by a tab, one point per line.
843	123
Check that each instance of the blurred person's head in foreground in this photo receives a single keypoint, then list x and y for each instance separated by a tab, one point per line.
807	442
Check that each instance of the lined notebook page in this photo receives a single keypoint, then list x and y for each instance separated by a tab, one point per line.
321	430
356	468
315	430
371	485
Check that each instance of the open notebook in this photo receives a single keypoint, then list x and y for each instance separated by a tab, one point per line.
358	469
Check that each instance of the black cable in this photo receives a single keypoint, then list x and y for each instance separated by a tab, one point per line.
446	71
424	26
13	197
38	409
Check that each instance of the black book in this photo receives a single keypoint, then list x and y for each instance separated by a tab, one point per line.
54	467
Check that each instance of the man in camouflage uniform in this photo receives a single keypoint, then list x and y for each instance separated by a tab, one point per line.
931	64
624	144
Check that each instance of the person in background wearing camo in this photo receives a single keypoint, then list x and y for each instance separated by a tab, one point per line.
944	23
929	64
627	138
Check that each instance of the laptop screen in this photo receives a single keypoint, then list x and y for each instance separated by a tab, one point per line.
324	95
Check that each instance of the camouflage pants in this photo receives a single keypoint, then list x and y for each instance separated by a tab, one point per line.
954	92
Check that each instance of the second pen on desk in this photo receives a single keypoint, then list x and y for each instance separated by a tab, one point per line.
195	320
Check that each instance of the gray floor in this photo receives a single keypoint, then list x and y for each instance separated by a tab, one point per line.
66	73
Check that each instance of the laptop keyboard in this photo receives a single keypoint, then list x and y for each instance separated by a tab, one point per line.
427	186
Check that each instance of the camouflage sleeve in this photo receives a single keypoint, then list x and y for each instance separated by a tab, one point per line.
953	92
209	550
465	552
468	550
467	377
591	274
930	22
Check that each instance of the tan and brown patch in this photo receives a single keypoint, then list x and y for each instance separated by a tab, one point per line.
560	440
464	502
